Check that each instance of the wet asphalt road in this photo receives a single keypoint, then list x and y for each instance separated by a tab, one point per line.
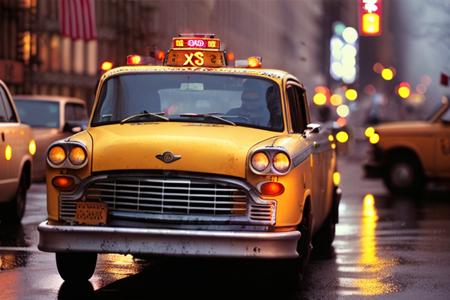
386	248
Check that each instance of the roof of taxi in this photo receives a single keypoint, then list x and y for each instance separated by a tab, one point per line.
268	73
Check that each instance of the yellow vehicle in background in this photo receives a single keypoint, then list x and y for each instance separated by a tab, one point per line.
408	154
195	157
16	150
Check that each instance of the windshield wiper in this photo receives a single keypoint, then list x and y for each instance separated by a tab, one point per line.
147	115
208	116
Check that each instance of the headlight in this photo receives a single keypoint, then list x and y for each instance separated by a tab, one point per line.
281	162
260	161
77	155
57	155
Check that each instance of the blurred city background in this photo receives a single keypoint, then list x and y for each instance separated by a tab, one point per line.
393	74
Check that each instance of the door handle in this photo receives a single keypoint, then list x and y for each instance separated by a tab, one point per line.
3	136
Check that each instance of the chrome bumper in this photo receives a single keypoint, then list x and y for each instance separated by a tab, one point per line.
56	238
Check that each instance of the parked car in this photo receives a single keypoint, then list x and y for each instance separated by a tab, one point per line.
16	150
193	158
408	154
51	118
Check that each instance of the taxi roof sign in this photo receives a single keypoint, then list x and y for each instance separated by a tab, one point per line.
196	50
196	43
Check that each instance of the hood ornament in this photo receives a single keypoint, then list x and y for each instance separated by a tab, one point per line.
168	157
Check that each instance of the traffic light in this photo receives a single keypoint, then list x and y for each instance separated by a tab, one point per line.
370	17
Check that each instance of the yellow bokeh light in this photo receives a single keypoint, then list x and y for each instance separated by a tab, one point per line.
333	146
369	200
319	99
387	74
351	94
32	147
8	152
336	100
336	178
330	137
369	131
404	92
374	138
343	111
342	137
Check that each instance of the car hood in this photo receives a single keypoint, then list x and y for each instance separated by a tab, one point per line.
401	128
203	148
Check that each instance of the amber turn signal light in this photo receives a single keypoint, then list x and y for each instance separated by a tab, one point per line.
272	189
63	182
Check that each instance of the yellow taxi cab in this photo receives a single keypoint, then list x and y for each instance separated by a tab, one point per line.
16	150
51	118
408	154
195	157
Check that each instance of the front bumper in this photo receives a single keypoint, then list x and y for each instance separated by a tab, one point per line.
170	242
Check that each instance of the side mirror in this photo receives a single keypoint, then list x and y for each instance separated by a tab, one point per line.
72	127
313	128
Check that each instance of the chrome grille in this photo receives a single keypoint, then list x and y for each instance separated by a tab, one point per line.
169	196
155	197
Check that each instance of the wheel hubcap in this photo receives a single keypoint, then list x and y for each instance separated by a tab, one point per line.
402	175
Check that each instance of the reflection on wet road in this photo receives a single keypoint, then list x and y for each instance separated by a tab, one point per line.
387	247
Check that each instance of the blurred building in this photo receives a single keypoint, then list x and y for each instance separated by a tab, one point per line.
287	34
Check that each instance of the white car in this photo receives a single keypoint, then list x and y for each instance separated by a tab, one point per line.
16	150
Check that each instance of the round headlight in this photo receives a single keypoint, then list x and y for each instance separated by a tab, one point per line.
281	162
57	155
77	155
260	161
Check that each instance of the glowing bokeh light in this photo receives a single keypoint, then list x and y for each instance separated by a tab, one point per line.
351	94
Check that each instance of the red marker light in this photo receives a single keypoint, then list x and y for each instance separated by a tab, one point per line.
254	62
63	182
272	189
230	56
160	55
106	65
134	59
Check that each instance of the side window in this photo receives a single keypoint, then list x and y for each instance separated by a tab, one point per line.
6	111
297	108
75	112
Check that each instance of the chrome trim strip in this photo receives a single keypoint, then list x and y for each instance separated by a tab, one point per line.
171	242
303	155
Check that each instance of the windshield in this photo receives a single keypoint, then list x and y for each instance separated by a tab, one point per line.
190	97
44	114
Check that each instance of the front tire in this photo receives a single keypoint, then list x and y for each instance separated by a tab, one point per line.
404	175
16	208
76	267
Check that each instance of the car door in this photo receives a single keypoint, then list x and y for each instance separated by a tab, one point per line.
10	149
320	150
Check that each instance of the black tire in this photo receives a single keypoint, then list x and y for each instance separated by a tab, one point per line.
324	237
76	267
304	246
16	208
404	175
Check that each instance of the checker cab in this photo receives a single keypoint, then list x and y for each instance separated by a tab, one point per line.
199	156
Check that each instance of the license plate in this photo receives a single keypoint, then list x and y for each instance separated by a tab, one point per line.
91	213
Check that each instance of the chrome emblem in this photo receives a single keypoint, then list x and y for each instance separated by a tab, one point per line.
168	157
